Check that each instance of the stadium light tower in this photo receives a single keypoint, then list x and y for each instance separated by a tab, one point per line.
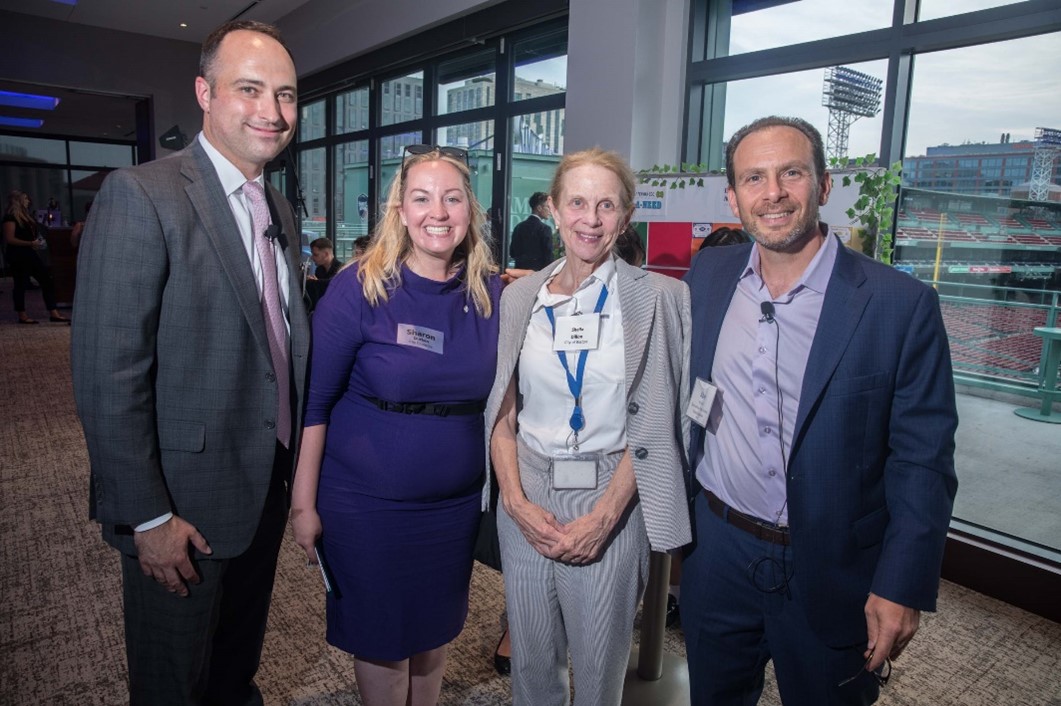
849	95
1047	145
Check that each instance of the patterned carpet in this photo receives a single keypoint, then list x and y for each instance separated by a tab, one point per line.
60	614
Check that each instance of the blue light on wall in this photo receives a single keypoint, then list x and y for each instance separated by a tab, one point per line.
6	121
28	100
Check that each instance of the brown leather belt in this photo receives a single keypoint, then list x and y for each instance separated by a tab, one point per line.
747	523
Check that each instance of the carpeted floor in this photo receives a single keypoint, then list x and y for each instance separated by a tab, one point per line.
60	613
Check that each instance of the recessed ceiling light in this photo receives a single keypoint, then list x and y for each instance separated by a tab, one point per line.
20	122
184	24
28	100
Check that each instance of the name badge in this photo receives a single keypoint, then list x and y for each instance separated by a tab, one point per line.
421	337
575	471
701	402
577	333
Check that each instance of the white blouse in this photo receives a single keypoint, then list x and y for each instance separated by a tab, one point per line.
547	402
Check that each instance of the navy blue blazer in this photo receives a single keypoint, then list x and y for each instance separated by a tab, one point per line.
870	477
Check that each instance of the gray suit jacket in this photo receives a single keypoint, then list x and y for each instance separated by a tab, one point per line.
172	374
656	319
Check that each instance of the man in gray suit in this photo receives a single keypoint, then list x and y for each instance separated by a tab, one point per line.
189	359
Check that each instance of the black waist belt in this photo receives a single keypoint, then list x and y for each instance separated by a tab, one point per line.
434	408
747	523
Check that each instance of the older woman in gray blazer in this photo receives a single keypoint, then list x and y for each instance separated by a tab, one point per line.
587	443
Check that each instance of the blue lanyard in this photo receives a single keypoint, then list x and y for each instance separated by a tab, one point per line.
574	382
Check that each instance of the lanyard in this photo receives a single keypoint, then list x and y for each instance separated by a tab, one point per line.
574	382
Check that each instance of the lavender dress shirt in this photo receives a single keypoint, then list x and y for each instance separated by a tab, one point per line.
758	369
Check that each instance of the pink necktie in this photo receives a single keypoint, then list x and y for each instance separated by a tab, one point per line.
272	309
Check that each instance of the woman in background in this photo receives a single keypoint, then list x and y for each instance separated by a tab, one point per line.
22	240
391	469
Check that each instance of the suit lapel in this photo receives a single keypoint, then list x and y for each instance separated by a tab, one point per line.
721	286
638	308
211	205
842	309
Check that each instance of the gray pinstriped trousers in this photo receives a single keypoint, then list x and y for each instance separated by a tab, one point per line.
554	607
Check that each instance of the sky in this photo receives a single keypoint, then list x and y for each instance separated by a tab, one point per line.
972	94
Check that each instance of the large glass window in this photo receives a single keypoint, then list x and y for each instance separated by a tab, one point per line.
757	25
477	136
398	103
351	196
462	98
351	111
391	151
991	243
32	149
101	153
311	121
932	9
311	175
533	163
39	167
466	83
540	67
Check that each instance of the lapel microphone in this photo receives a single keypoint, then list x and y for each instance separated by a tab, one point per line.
273	232
768	312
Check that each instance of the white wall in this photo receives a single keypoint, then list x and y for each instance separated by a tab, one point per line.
626	76
37	50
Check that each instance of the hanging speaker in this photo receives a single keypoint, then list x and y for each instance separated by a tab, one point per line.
173	139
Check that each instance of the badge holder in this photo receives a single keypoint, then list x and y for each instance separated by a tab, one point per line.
573	470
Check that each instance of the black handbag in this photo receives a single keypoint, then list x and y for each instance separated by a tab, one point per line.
487	547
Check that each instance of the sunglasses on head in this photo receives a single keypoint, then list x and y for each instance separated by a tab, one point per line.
457	153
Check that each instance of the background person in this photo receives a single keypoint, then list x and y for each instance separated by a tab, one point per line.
323	255
532	239
22	240
326	266
391	472
361	245
629	248
721	237
188	374
576	530
827	463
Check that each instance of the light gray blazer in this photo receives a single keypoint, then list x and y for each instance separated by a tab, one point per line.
656	320
172	373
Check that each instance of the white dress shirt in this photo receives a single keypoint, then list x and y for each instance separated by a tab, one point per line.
547	400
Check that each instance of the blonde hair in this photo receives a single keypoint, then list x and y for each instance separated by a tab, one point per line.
612	161
379	268
18	210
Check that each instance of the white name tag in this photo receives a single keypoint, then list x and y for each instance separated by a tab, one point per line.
427	339
701	402
577	333
575	472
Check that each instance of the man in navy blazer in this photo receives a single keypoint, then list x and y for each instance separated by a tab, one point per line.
189	352
824	446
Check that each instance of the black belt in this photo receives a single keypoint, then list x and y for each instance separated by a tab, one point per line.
435	408
747	523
